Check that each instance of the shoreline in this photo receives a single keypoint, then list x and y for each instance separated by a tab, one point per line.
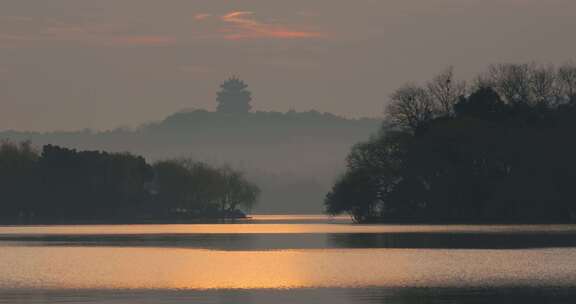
202	220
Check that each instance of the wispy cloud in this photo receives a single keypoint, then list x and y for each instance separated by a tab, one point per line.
23	31
243	25
202	16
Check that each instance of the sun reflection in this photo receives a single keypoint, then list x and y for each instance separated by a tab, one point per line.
93	267
185	269
135	268
271	225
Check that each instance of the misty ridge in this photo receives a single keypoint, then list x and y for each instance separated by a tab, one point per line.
293	156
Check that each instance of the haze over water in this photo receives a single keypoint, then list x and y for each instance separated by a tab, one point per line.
286	258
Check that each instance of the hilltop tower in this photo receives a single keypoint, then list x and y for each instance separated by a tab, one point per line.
234	96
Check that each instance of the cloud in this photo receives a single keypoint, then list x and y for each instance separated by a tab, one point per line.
243	25
202	16
27	32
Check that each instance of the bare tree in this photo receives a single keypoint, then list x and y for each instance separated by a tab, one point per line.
544	85
511	81
445	91
567	81
411	106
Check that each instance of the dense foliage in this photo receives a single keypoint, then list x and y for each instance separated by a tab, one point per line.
62	185
504	153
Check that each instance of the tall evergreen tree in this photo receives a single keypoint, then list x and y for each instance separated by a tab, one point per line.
234	97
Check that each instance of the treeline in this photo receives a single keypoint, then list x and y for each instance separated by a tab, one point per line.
256	127
64	185
499	150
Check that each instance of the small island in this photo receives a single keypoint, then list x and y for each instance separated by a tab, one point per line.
501	150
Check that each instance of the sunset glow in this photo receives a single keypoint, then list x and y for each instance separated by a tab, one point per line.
243	25
297	151
184	269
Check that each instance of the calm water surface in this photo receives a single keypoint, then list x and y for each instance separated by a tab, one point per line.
288	259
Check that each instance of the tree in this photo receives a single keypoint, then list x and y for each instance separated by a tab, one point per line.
236	191
204	186
354	193
446	91
512	81
531	84
18	174
173	184
485	103
504	154
61	184
567	80
372	172
192	188
544	85
234	97
411	107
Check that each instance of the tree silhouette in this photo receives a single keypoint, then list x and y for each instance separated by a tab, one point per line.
567	79
485	103
504	153
234	96
411	107
61	185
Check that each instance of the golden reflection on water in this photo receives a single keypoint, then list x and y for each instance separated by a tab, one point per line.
43	266
253	227
155	268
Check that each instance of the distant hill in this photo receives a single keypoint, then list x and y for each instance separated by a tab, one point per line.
294	156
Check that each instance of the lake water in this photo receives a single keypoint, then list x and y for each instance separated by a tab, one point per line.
288	259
